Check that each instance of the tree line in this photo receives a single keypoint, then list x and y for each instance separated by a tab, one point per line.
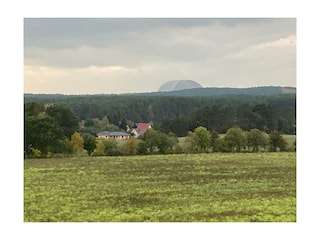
48	129
51	122
155	142
265	117
182	114
53	130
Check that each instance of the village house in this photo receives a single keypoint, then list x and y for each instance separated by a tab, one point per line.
140	128
113	135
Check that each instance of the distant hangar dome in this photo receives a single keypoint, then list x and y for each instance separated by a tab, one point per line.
176	85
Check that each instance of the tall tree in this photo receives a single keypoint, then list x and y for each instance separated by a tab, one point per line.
65	119
235	138
100	149
123	124
42	133
179	126
77	142
151	137
202	138
173	140
89	143
33	109
218	117
131	146
214	139
277	141
265	117
164	143
255	139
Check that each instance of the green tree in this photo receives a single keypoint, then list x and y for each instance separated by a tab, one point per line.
33	109
235	139
202	138
65	118
66	146
266	143
164	143
217	117
36	153
173	140
89	143
111	147
277	142
123	124
132	145
214	139
189	143
255	139
179	126
100	148
96	125
221	145
265	117
76	143
42	133
142	147
151	137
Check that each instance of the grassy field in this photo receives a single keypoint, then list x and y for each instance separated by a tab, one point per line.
170	188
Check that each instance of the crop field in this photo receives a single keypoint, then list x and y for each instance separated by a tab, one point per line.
216	187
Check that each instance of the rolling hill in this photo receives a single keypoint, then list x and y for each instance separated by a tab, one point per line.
266	90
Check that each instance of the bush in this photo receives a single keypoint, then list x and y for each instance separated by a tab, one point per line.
142	148
277	142
36	153
129	147
178	148
111	148
221	145
100	149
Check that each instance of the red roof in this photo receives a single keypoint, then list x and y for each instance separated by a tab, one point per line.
142	128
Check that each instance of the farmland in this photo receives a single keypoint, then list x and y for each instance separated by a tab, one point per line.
216	187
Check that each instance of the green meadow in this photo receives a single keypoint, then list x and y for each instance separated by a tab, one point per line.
215	187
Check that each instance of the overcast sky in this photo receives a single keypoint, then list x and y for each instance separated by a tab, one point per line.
88	56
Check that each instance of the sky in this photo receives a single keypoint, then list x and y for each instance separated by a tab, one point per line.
127	55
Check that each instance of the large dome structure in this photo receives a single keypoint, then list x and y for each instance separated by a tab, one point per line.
176	85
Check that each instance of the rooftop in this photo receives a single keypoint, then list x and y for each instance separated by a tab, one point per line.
107	133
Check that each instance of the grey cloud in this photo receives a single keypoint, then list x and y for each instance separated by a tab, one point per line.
65	32
62	32
215	52
132	42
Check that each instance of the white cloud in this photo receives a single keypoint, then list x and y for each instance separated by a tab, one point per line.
278	51
289	41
